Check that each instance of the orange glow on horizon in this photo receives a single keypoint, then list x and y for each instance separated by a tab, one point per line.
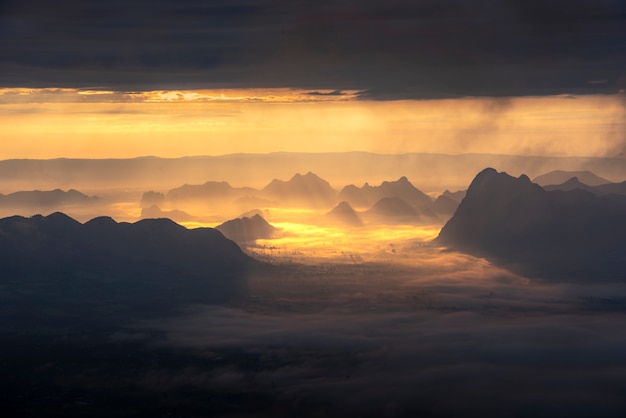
49	123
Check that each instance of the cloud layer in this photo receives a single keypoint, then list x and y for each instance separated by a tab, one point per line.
461	339
397	49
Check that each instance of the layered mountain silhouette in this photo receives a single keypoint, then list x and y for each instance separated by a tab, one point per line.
302	190
343	214
155	212
446	205
561	176
246	229
367	195
551	234
603	189
395	201
45	199
611	188
208	191
458	195
152	263
571	184
393	209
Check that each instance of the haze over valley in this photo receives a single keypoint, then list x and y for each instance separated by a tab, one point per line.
252	208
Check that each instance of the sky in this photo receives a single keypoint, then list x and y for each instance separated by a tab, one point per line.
121	79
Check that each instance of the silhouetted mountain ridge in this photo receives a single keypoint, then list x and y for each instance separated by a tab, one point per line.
148	262
552	234
561	176
344	214
45	199
308	190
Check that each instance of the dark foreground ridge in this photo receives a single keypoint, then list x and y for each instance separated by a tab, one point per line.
550	234
154	264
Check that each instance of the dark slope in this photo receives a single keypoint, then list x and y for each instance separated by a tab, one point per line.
246	229
343	214
561	176
154	263
558	234
306	190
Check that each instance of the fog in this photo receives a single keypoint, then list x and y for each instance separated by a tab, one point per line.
371	319
449	336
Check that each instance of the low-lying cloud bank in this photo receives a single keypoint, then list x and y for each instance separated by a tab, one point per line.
482	342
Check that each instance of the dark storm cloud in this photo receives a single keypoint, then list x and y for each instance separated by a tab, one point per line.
392	49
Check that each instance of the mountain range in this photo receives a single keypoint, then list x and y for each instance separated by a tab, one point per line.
45	199
153	263
566	235
601	189
561	176
435	171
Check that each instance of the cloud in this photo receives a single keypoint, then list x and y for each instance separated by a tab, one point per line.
398	49
472	342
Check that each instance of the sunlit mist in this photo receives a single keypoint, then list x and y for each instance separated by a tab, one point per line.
47	123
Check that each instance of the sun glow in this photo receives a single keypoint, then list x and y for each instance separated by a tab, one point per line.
91	123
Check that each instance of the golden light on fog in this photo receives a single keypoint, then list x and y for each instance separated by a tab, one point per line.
48	123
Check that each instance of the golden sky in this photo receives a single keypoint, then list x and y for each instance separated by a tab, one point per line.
49	123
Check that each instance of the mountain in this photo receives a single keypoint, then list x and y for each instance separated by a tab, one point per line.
611	188
155	212
571	184
393	209
602	189
368	195
434	170
152	264
247	229
567	235
307	190
445	205
561	176
343	214
458	195
45	199
208	191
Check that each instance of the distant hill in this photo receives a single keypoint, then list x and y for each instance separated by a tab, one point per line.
571	184
368	195
154	212
603	189
306	190
611	188
561	176
568	235
434	170
208	191
344	214
393	209
151	264
458	195
445	205
246	229
45	199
